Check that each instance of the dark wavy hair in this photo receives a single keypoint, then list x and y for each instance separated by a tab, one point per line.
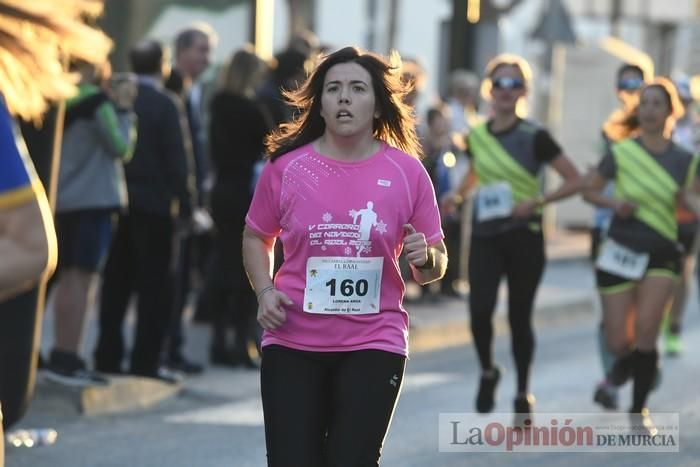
395	125
676	110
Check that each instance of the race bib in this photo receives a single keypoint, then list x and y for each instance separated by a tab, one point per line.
341	285
494	201
621	261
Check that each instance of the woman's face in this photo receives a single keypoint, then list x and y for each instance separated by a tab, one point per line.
653	109
347	101
507	87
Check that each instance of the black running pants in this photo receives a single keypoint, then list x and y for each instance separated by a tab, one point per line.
328	409
519	256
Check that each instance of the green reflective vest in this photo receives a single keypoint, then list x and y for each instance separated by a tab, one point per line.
492	163
642	180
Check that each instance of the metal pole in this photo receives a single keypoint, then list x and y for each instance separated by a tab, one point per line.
393	19
615	16
371	26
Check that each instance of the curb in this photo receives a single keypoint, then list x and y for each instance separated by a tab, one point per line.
123	394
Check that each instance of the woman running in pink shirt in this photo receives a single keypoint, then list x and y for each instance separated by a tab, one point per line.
345	192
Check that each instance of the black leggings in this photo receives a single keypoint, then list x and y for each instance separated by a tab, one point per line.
328	409
19	345
519	255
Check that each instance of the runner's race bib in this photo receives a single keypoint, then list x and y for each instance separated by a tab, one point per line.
621	261
341	285
494	201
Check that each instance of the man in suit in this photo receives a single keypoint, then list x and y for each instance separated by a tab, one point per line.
160	198
193	46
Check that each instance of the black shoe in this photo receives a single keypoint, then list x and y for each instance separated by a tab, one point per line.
183	365
449	292
485	399
222	356
169	376
523	404
522	408
246	361
163	374
606	395
69	369
226	357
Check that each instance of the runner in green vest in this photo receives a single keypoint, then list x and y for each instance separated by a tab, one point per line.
639	262
621	124
508	154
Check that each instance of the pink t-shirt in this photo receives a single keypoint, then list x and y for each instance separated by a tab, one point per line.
321	207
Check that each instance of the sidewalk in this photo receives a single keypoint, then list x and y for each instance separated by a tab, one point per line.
566	289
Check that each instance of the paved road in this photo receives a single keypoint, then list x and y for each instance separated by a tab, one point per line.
217	420
564	372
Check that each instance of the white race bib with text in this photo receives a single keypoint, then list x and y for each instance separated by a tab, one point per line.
342	285
494	201
621	261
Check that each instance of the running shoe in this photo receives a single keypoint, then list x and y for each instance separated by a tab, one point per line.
606	395
179	362
672	337
522	407
642	423
673	344
70	370
523	404
485	399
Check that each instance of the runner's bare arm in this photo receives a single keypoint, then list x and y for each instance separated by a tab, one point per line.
593	193
572	182
258	259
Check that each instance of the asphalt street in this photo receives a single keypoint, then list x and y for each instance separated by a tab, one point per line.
217	420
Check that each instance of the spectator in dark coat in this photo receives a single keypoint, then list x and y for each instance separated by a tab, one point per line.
288	72
141	253
193	46
238	127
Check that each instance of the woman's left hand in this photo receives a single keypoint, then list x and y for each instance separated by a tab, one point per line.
525	208
415	245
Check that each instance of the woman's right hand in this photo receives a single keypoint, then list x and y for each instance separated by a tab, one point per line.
624	209
271	313
449	203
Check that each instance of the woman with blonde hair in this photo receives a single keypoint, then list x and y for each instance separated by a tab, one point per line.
238	128
508	153
639	262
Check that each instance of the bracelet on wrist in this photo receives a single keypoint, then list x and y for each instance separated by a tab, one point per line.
430	262
264	291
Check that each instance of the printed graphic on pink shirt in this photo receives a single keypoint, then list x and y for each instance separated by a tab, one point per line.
354	237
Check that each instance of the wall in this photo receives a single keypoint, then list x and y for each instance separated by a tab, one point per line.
417	36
